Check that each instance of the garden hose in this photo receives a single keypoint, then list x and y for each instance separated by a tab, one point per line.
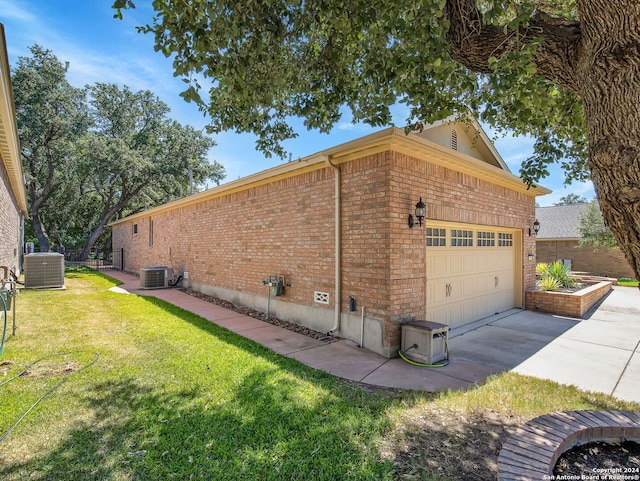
419	364
51	389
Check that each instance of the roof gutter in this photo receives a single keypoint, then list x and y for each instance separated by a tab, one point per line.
338	245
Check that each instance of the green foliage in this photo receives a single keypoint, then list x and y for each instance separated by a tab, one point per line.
91	155
553	276
50	118
571	199
559	271
593	232
548	283
265	62
542	268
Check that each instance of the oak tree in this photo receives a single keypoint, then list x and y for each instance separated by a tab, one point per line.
134	155
566	72
51	117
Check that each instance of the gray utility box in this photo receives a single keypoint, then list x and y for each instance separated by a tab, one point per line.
430	338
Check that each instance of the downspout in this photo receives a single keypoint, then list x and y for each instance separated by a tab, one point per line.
338	245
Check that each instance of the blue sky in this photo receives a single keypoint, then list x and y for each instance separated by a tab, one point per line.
100	48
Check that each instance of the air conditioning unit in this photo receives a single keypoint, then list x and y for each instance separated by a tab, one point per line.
154	277
43	269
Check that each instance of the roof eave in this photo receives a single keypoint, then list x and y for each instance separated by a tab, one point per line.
386	139
9	141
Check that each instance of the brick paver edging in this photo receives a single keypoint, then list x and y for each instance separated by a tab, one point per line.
533	450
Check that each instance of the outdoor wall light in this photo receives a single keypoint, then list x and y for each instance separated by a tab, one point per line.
530	257
420	213
536	228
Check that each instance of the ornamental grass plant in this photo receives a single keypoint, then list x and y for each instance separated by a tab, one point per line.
554	276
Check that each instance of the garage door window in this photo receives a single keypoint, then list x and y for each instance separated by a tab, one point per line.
505	239
436	237
461	238
486	239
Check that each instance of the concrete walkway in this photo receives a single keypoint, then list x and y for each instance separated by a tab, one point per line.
599	353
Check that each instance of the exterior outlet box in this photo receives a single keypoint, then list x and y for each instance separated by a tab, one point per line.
431	339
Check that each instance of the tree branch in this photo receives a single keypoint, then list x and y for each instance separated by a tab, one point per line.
472	42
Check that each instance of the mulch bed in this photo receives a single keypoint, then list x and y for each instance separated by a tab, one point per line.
291	326
602	459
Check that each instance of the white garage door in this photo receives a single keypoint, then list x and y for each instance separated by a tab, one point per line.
471	272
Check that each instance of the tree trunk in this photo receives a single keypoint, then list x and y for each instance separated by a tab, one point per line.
93	237
609	72
108	214
596	57
41	233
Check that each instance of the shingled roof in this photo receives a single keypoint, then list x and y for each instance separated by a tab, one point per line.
559	221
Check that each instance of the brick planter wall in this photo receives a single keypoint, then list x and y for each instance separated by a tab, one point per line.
573	304
533	450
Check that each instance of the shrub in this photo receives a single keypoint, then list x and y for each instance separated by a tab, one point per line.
542	268
553	276
560	272
548	283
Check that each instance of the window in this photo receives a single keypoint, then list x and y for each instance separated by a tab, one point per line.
505	240
135	228
436	237
151	233
461	238
486	239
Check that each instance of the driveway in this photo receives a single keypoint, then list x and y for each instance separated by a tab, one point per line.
598	353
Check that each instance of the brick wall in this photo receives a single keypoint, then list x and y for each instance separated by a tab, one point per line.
599	262
235	239
449	196
10	224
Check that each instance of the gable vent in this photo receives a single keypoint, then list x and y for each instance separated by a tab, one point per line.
454	139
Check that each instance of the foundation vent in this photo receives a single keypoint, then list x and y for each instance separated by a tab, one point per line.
321	297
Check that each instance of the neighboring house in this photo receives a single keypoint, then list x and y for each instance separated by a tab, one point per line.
335	226
13	202
559	239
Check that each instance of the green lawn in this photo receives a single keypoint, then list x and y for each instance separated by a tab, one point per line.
173	396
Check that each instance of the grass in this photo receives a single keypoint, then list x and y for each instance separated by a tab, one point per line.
173	396
628	282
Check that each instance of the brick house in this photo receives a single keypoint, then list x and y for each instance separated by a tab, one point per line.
13	202
559	239
472	255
